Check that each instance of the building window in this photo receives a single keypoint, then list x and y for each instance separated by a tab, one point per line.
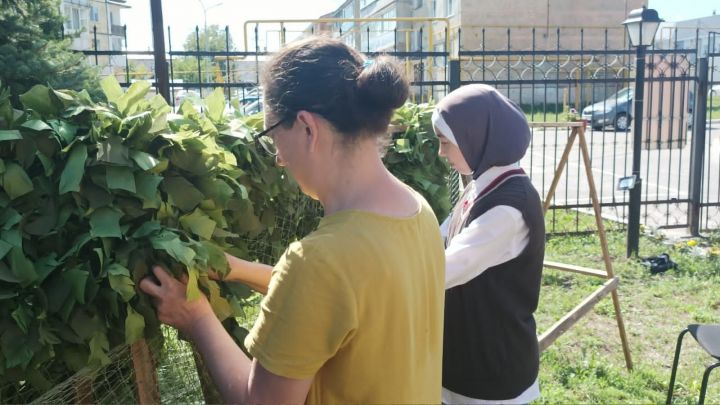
365	3
94	14
445	8
451	7
347	13
389	25
438	8
380	35
116	44
73	17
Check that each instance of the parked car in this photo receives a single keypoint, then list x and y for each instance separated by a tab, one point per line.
714	90
190	95
181	95
253	107
617	109
614	110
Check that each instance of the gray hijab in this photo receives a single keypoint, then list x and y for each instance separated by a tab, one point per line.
489	129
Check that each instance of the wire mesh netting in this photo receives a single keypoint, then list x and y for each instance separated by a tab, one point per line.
178	370
178	380
177	373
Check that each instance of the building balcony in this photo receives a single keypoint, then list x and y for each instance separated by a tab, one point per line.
80	3
117	30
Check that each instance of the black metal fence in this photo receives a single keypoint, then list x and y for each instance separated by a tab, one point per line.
708	194
551	73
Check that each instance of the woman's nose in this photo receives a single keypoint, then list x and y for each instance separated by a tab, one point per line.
279	162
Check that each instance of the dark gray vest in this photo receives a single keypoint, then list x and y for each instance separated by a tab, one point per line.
490	343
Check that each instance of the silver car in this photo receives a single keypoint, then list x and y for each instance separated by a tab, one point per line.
614	110
617	109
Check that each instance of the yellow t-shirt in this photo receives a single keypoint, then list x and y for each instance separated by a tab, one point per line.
358	304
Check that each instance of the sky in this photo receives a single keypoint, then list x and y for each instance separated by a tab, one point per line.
183	15
679	10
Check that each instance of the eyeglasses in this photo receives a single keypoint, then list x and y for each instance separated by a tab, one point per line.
266	141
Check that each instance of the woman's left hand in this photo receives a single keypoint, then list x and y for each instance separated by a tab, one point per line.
173	308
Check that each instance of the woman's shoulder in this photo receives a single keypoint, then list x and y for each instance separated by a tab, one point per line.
425	211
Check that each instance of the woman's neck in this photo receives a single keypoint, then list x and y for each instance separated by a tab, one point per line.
357	178
363	183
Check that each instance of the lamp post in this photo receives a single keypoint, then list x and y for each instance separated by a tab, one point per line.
206	43
642	25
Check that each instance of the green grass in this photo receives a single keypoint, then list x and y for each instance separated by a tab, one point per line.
713	110
586	364
539	116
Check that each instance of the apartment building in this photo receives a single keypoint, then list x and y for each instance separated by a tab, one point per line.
482	24
701	33
96	24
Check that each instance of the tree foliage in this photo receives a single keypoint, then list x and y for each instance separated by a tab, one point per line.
213	39
32	50
210	39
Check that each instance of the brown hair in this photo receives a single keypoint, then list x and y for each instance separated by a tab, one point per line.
325	76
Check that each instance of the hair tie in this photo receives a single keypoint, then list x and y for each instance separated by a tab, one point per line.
368	62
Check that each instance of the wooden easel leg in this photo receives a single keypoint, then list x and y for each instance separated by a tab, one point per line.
559	170
621	330
604	245
145	377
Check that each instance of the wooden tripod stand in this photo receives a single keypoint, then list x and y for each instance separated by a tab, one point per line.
577	132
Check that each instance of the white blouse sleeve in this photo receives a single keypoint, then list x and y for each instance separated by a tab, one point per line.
444	227
500	234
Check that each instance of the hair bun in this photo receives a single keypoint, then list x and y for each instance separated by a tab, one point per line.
382	85
328	77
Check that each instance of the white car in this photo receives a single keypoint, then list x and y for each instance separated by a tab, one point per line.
182	95
714	90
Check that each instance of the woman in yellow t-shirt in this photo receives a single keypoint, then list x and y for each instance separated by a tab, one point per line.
353	312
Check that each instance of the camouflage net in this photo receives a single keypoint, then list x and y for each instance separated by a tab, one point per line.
176	370
178	378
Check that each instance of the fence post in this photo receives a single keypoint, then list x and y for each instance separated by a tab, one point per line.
633	235
454	74
162	79
698	146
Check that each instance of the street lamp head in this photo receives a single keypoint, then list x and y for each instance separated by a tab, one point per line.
642	25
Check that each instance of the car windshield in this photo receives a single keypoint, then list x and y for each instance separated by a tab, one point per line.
625	93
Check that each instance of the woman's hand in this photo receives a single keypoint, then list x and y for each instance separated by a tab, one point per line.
173	308
214	275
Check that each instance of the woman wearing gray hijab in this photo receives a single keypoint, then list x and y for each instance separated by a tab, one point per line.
494	249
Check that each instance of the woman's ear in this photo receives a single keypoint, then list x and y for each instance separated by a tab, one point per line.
311	126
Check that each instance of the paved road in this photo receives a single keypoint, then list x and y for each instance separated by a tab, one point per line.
665	173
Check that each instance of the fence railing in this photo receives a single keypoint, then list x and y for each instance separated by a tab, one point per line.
546	78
